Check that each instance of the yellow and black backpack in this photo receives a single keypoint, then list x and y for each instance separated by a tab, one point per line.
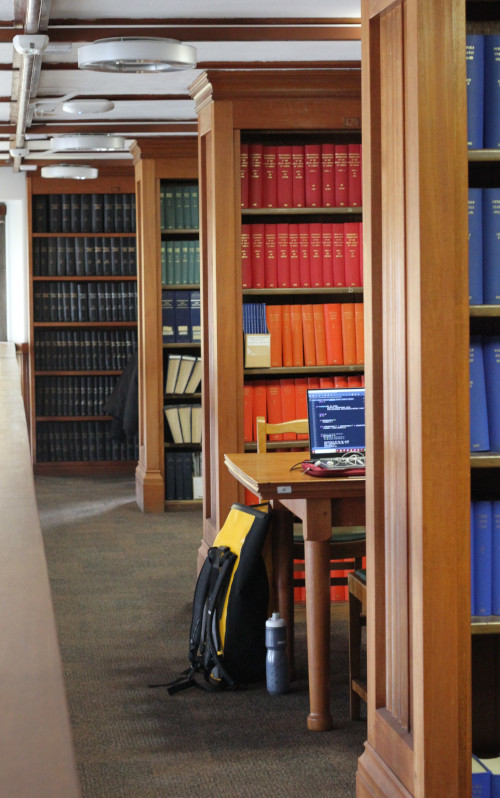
230	606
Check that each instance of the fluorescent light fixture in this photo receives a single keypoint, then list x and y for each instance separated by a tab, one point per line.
64	170
87	143
136	54
91	106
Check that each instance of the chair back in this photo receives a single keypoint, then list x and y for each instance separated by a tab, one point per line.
298	425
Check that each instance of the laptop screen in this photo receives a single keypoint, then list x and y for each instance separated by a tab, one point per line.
336	420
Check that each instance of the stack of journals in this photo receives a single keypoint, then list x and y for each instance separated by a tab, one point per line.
313	175
484	246
483	91
183	374
306	255
84	213
485	558
72	301
484	393
180	262
85	256
84	350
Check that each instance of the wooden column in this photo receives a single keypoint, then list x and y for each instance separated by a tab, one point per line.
417	417
154	160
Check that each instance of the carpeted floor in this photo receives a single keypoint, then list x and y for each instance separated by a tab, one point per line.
122	585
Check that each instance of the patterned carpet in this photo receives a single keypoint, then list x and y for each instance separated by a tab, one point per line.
122	585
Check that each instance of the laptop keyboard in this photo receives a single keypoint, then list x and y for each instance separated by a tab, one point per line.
347	460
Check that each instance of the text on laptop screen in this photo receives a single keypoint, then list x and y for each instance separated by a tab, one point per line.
336	420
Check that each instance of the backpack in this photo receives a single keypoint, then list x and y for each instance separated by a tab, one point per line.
230	607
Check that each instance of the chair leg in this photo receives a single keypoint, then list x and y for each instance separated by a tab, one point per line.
355	610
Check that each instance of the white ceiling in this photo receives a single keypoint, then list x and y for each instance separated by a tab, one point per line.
226	33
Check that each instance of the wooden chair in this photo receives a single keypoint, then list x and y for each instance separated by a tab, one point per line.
357	619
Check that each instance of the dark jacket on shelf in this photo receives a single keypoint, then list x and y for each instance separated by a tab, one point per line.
123	403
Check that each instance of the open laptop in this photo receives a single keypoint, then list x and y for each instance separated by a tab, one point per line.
336	418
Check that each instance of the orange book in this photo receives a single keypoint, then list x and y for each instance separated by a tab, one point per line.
354	381
359	325
326	382
286	335
288	406
308	335
348	334
248	412
259	403
313	382
301	402
333	334
297	338
273	400
340	382
319	335
274	325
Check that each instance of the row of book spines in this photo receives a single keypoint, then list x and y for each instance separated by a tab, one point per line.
73	395
180	262
300	176
181	317
337	592
485	558
179	206
180	469
84	257
82	441
306	255
483	91
328	334
484	365
84	350
184	422
83	302
484	246
284	400
84	213
184	374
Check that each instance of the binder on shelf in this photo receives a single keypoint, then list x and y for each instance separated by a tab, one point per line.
474	58
479	435
475	206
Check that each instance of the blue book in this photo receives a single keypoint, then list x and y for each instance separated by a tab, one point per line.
474	56
481	779
495	564
472	580
195	313
491	359
493	766
479	435
491	246
182	315
168	318
475	246
482	557
491	138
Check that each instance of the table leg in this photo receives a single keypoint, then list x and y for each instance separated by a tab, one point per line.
317	564
282	548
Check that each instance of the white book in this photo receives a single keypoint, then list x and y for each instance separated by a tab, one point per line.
172	416
185	369
185	419
196	424
195	377
174	362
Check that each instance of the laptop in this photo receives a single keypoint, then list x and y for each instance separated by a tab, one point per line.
336	418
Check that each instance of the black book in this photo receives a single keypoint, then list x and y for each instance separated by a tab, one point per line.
97	213
187	473
77	348
127	212
61	256
71	256
91	432
118	213
76	221
82	299
86	213
123	255
36	256
87	352
124	301
106	256
40	214
65	213
73	301
54	301
51	257
98	257
170	464
109	213
100	441
93	311
85	440
43	249
65	301
132	257
132	205
77	440
55	213
80	257
116	256
101	301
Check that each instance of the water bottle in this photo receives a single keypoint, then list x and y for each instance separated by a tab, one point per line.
276	660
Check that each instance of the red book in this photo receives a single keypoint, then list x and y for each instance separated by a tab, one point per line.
244	175
301	403
327	175
273	399
286	333
333	334
297	336
255	166
304	260
269	177
361	253
319	335
326	382
274	325
348	334
352	253
293	251
340	382
359	325
308	335
270	256
285	176
298	177
257	255
288	406
341	185
312	171
248	412
355	381
313	382
246	257
354	174
327	247
315	254
283	256
338	254
259	403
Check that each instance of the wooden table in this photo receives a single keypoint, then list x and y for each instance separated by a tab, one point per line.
320	503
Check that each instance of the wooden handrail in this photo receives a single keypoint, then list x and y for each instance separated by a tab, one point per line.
36	745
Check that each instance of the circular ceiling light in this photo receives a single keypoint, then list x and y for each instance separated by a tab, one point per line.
87	143
92	106
136	54
64	170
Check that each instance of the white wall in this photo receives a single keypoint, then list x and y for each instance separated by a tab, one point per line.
13	194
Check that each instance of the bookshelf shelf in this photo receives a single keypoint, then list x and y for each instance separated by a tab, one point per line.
181	231
181	287
301	292
102	234
302	211
304	370
83	324
483	155
489	625
485	311
485	460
